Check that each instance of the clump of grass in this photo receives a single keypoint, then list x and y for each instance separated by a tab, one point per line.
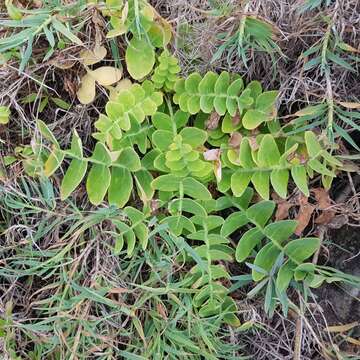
66	294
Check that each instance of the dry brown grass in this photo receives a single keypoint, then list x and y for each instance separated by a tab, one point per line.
295	33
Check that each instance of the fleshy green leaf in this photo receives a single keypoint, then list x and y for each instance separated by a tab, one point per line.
279	180
299	175
268	154
4	115
193	136
129	159
245	155
261	181
301	249
162	121
247	243
253	118
144	180
187	205
120	186
98	182
73	177
240	181
312	144
166	183
53	162
140	58
233	222
162	139
284	276
196	189
260	213
265	260
280	231
266	100
46	133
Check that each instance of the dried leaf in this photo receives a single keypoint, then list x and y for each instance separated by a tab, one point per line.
162	311
323	203
212	155
310	110
351	340
218	170
282	211
350	105
122	85
70	86
86	93
325	218
118	291
342	328
304	215
63	64
302	200
125	12
154	205
236	119
322	198
235	140
346	47
213	122
120	29
253	143
338	221
97	19
91	57
106	75
38	3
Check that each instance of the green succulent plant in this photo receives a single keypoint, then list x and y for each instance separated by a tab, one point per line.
180	155
133	104
110	172
223	93
172	159
166	73
264	164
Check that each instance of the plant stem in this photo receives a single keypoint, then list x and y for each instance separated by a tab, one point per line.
330	102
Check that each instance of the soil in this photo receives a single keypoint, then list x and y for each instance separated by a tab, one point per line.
341	304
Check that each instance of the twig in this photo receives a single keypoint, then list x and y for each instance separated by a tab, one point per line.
321	235
352	186
298	338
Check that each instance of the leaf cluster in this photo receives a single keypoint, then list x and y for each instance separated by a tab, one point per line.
225	94
27	26
345	115
108	171
265	164
251	35
282	259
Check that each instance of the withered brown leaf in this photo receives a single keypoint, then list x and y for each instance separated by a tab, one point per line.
304	215
235	140
213	122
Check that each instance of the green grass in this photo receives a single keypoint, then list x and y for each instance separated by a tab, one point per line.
82	300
